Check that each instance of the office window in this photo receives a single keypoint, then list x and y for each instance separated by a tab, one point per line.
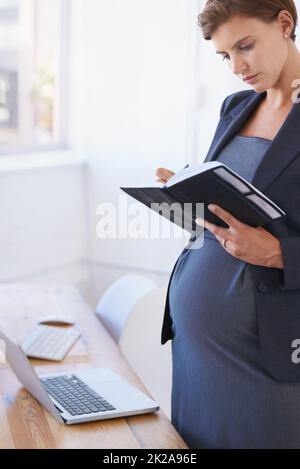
33	37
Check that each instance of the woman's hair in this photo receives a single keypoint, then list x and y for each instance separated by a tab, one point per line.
217	12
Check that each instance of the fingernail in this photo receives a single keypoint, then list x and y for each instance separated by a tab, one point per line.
200	221
212	208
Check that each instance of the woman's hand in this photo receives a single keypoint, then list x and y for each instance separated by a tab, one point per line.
253	245
163	174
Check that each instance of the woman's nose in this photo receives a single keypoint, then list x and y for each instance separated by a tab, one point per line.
238	65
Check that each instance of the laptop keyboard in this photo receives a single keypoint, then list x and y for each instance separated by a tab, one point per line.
75	396
50	343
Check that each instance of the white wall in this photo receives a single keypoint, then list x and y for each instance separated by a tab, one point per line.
145	93
43	230
131	72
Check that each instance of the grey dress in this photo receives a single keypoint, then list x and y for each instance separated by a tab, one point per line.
222	397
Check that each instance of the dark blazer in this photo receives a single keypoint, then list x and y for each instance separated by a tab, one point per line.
277	291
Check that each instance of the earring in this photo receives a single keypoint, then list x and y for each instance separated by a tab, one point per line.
286	35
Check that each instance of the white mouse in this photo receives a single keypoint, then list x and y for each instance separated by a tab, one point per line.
57	319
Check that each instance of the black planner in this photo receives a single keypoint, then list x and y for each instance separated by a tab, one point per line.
207	183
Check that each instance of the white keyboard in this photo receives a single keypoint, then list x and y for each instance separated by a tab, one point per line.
49	342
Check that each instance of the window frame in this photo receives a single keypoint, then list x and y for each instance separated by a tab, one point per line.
64	73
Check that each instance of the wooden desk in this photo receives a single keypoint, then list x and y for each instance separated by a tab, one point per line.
23	421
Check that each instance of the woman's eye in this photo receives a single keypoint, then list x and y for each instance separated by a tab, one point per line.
247	47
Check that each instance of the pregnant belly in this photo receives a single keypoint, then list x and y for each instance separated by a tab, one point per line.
211	295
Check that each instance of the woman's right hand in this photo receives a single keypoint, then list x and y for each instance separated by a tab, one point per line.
164	175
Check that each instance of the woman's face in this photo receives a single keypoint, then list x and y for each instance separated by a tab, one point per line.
263	50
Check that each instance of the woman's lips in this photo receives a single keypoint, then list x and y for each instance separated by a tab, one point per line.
251	78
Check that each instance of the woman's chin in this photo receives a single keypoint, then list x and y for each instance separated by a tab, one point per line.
259	87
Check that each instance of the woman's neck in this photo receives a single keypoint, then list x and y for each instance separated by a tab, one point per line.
280	97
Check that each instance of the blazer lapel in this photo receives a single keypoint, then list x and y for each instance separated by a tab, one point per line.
282	151
232	123
284	148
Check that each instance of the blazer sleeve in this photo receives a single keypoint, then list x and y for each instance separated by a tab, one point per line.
290	274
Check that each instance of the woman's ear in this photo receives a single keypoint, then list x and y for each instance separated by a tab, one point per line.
286	23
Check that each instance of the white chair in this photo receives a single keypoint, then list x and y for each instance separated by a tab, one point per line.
140	344
119	299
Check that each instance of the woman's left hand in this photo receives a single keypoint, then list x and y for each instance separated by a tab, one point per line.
253	245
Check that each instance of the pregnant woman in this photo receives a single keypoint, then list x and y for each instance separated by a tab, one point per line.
233	305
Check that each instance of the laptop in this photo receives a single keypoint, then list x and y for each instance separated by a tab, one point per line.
83	396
